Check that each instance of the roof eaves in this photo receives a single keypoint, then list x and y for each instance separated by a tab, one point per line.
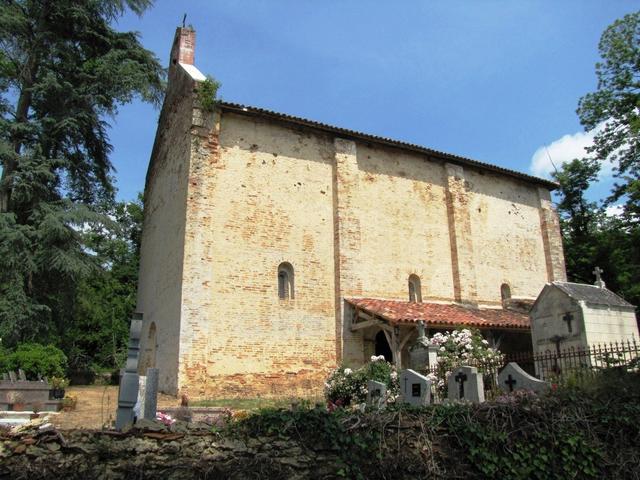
352	134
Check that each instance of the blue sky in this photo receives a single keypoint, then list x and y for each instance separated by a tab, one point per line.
492	80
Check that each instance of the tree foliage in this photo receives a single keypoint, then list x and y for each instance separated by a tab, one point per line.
613	110
63	73
591	236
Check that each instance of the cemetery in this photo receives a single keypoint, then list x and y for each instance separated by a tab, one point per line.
448	417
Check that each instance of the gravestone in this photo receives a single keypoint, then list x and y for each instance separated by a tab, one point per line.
12	376
513	378
376	393
465	383
21	375
5	377
415	388
128	393
422	354
151	392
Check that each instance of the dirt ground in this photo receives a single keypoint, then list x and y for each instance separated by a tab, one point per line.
96	406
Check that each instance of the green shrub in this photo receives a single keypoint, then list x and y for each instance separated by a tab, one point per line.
349	387
208	93
36	359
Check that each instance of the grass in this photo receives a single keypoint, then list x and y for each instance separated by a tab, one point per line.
253	403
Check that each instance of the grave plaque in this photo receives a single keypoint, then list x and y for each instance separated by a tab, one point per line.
415	388
465	383
151	400
128	394
138	409
513	378
12	376
21	375
376	393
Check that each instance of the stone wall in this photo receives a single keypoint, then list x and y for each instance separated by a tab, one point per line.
608	325
259	195
161	257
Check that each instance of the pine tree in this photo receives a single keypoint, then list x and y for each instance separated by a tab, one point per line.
64	71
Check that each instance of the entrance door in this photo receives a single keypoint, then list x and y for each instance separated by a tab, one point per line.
382	347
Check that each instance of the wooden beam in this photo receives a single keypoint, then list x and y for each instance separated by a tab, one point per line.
365	324
406	338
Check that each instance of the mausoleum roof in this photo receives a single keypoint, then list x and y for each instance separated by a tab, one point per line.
438	314
352	134
592	294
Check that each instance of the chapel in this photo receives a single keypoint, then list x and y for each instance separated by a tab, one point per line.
275	247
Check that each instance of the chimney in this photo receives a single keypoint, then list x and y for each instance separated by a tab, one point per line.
184	46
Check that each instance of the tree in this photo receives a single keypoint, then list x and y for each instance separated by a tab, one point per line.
613	110
592	238
98	332
63	72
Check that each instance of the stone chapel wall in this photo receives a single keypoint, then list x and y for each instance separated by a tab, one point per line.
259	195
159	291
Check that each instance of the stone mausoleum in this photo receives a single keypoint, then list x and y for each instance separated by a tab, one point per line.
276	247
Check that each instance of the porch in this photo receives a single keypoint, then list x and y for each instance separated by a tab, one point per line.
390	327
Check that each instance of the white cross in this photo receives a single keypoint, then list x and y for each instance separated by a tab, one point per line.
599	283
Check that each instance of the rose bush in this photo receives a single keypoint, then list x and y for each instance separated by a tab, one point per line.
458	348
346	386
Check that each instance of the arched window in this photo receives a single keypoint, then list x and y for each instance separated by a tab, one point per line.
505	292
415	289
285	281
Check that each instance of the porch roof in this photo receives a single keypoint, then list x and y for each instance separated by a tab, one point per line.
437	314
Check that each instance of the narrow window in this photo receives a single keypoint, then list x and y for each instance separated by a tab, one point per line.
505	292
415	290
285	281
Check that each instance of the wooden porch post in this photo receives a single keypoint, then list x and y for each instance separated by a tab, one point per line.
397	349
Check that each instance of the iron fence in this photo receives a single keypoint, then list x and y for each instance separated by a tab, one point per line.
552	365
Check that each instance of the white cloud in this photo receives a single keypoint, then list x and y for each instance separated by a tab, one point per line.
614	210
560	151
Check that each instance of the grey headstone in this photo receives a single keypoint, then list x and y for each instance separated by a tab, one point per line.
5	376
513	378
151	400
128	394
415	388
465	383
21	375
376	393
12	376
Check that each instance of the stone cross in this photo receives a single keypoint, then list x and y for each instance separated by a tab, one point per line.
151	394
376	393
513	378
128	393
567	318
12	376
415	388
421	329
465	383
599	282
21	375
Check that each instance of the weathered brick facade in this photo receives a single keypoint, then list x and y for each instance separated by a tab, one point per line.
232	194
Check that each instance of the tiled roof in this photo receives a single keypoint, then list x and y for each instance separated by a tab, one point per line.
248	110
592	294
451	315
